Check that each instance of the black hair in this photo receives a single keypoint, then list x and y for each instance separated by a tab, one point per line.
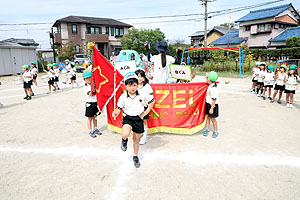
142	73
295	74
163	59
131	81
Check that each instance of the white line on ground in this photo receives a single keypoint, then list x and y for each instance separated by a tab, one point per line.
191	157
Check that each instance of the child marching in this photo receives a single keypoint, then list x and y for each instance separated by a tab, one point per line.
56	75
291	85
212	103
27	77
145	89
73	73
91	108
51	74
268	77
280	77
255	74
34	72
133	104
260	81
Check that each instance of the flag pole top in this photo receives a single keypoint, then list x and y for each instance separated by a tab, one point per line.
91	45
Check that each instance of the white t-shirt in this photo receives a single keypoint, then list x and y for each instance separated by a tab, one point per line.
34	71
73	71
269	78
56	71
255	73
27	73
280	79
161	74
90	67
212	94
133	105
51	74
68	67
87	89
146	90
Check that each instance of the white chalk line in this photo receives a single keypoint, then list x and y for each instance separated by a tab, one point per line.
192	157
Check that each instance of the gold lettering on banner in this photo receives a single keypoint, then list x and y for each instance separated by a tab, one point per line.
175	99
191	99
196	111
165	94
163	115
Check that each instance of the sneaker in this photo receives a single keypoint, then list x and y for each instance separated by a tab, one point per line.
205	133
96	131
258	95
291	105
136	162
48	92
279	102
272	101
28	98
264	98
143	140
288	105
215	134
58	88
270	98
124	144
92	134
253	92
32	94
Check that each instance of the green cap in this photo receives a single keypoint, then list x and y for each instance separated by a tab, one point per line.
25	66
86	74
89	61
33	63
271	68
212	76
67	60
54	64
293	67
283	66
257	63
49	65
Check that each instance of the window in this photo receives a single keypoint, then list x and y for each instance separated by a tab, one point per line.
58	28
107	30
97	30
117	31
247	28
261	28
92	30
112	31
268	27
74	28
121	31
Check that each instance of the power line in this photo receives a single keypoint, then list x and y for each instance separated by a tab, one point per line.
26	24
162	16
27	29
179	20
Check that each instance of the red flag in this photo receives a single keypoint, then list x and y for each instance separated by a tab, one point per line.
103	78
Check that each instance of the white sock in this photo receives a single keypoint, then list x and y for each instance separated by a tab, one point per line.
146	132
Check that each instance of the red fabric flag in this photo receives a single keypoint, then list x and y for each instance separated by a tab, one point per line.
103	78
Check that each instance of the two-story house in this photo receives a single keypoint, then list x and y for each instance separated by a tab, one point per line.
261	25
197	38
79	30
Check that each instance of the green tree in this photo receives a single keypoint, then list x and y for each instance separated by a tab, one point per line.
66	51
293	42
135	39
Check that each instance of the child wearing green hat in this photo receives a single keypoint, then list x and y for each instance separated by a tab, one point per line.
268	77
91	108
212	103
50	73
27	84
56	75
291	85
280	78
255	74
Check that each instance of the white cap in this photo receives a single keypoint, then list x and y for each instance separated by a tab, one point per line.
130	75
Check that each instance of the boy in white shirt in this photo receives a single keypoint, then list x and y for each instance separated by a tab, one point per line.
133	104
56	75
212	103
91	107
27	77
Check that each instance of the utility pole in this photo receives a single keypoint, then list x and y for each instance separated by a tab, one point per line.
52	37
205	20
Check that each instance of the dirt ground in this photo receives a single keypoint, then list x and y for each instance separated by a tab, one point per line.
46	153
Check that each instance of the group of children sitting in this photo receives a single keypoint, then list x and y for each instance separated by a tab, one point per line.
283	79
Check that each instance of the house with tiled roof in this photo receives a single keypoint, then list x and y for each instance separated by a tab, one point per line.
281	38
197	38
262	25
79	30
230	39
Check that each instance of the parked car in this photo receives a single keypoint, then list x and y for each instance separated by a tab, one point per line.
81	58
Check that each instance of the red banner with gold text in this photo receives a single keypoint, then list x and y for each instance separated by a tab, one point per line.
180	108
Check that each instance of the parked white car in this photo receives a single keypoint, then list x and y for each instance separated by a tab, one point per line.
81	58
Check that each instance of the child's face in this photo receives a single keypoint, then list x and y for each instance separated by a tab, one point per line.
132	88
140	79
291	71
152	66
24	70
281	69
262	67
88	80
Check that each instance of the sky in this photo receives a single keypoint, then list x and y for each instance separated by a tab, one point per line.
29	11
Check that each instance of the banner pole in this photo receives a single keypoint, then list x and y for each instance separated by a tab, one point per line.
114	89
114	93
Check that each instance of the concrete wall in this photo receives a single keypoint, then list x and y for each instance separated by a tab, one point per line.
12	58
